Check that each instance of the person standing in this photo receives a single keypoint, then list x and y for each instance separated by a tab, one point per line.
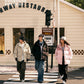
40	52
22	54
63	55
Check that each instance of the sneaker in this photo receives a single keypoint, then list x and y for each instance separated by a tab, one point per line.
61	77
40	81
23	81
64	82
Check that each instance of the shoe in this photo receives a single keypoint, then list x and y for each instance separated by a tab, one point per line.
23	81
64	82
61	77
40	81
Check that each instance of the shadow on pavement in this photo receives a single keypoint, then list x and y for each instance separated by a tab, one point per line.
20	81
76	74
2	81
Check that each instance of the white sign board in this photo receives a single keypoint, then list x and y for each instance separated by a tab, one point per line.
49	40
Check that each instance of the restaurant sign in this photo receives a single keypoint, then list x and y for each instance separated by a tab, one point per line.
47	31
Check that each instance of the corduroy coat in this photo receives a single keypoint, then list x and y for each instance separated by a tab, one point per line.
19	51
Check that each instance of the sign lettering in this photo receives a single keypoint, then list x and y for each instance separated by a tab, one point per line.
47	31
20	5
1	10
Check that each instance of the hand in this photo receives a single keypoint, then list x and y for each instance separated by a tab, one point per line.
16	59
27	59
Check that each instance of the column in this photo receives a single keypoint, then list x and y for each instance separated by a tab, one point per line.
58	20
8	40
37	31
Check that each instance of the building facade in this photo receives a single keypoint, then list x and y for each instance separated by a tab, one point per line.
28	17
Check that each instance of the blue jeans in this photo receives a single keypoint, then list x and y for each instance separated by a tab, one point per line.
39	66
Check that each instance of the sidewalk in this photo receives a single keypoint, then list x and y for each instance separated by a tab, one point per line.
75	75
12	69
8	68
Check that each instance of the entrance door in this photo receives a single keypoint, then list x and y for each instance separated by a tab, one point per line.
29	36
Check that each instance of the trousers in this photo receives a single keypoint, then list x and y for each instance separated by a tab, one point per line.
21	67
63	69
39	66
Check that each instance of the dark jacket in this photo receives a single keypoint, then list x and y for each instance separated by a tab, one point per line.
36	51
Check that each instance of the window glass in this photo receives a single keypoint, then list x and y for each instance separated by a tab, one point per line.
1	41
62	33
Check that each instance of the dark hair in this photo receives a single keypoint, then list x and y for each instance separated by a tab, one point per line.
66	43
22	38
41	35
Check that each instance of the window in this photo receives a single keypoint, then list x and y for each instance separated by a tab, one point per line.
7	2
62	33
28	33
1	41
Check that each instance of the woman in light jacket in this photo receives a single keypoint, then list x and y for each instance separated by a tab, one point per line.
63	55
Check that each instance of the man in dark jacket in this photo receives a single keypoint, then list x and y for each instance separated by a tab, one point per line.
40	52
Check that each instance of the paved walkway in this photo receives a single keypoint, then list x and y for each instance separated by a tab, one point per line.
31	76
75	75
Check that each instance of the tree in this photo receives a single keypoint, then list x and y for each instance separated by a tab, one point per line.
79	3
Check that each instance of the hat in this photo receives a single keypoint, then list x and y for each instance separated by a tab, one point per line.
22	38
41	35
64	38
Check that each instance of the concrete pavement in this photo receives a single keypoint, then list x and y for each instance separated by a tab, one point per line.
75	76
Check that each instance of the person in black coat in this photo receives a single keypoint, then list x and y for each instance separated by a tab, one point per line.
40	52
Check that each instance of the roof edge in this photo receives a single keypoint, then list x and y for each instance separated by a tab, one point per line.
73	6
